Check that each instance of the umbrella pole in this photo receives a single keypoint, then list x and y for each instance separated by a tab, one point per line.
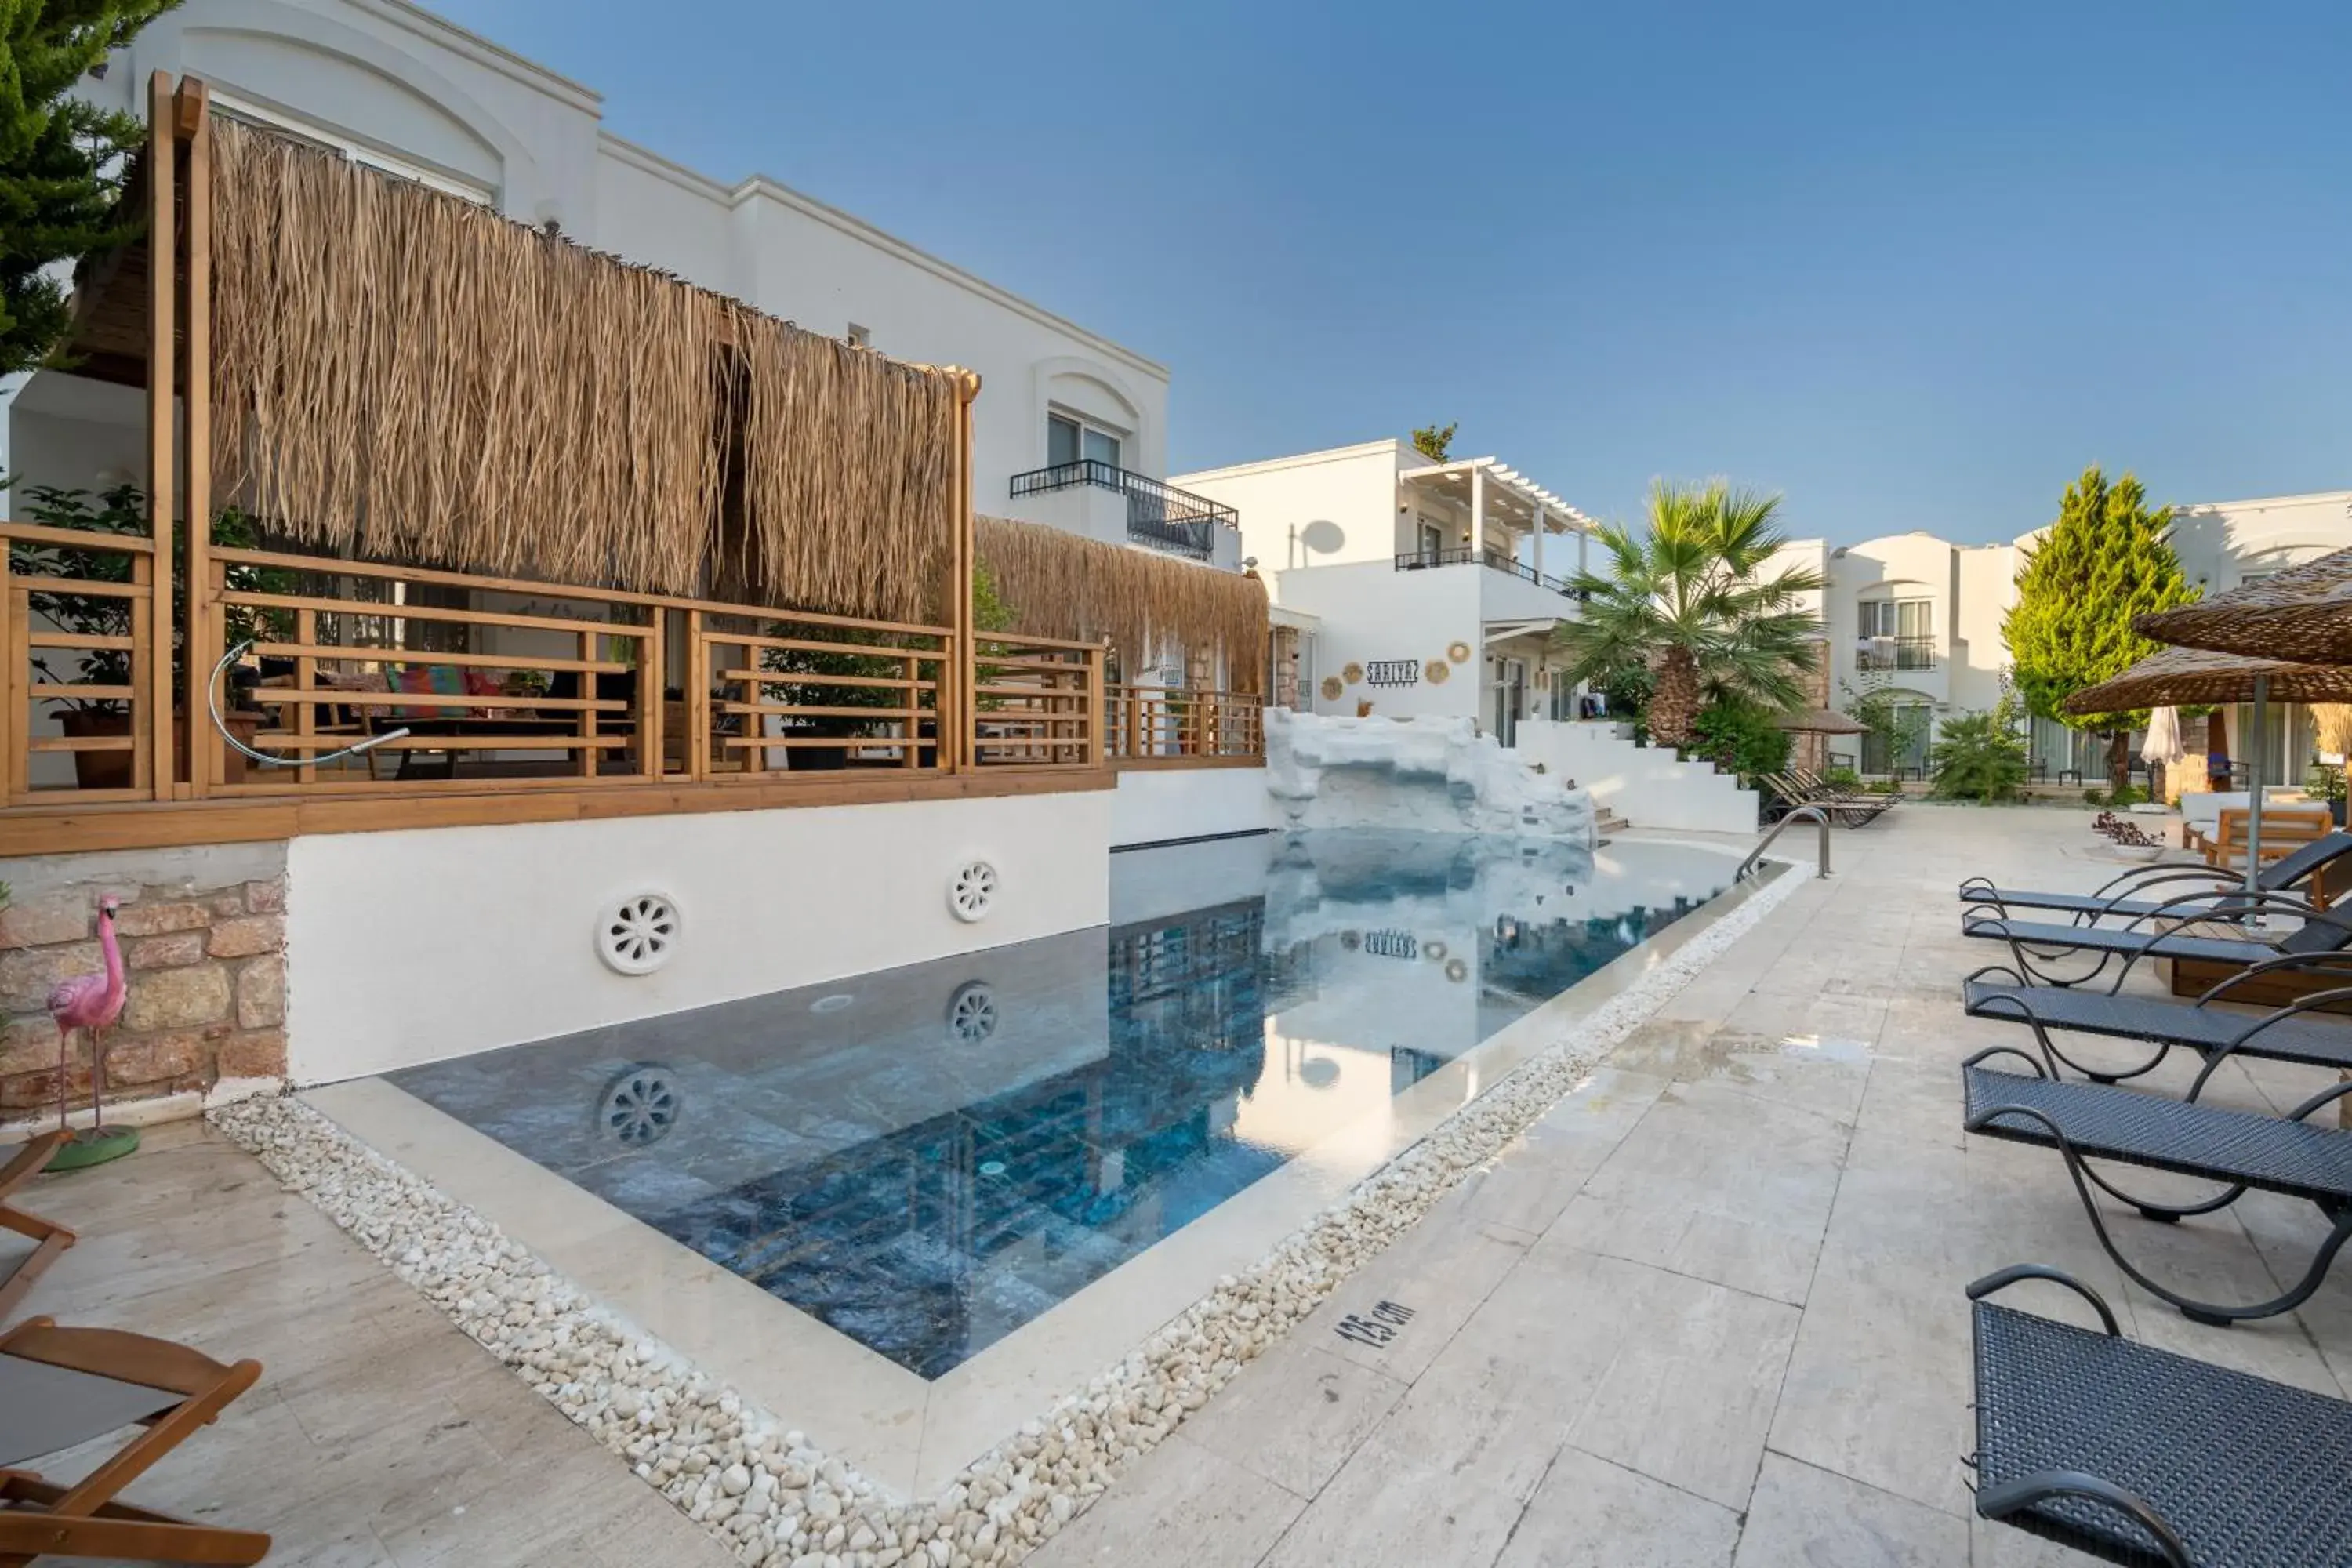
2258	747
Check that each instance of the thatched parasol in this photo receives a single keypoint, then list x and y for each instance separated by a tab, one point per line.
1819	721
2188	676
2303	613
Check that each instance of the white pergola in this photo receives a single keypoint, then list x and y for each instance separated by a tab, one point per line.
1489	488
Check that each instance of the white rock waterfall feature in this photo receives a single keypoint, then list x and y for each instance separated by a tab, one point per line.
1434	775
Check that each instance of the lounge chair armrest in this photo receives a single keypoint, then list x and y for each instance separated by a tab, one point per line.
2005	1051
2005	971
2255	970
2000	1501
2304	1003
2327	1096
2003	1278
2140	877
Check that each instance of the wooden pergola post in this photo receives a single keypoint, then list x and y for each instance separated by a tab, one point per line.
959	675
163	281
193	123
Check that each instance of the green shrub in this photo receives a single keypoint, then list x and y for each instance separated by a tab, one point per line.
1841	778
1740	737
2129	794
2094	796
1884	786
1977	756
2325	781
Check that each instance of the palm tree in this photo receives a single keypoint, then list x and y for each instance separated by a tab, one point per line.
1687	603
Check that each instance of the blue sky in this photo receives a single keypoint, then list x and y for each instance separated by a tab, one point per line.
1913	266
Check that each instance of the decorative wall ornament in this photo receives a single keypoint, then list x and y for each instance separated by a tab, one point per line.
1458	652
639	1106
971	891
1437	672
1352	673
637	935
1333	687
1393	671
971	1012
1457	971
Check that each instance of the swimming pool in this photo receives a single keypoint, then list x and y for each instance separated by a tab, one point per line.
926	1159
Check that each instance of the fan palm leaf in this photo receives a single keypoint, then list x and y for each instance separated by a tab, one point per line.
1690	600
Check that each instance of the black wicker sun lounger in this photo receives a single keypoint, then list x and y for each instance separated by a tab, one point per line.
2295	1033
2160	934
2138	1456
2117	898
2250	1152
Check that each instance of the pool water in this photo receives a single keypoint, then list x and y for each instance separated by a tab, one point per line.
928	1158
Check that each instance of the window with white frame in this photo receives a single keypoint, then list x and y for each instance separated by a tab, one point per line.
1071	438
1897	618
335	141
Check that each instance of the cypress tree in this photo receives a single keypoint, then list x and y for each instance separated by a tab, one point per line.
2108	558
61	160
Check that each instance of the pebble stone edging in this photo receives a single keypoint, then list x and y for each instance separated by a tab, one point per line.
764	1490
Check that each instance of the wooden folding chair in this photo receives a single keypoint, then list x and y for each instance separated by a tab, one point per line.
60	1387
51	1238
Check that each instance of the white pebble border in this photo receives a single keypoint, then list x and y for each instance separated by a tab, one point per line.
768	1494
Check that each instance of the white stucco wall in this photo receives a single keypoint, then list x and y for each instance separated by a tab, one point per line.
390	79
1649	787
1372	611
1346	495
1153	805
1973	586
408	947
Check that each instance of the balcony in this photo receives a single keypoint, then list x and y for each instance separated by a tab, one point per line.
1495	560
1874	654
1159	515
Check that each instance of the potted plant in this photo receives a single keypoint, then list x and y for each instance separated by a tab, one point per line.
989	614
123	509
2326	782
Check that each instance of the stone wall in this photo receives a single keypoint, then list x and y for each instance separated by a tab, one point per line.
202	939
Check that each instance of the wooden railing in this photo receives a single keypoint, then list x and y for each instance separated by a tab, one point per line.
83	698
1038	702
794	693
1171	724
498	684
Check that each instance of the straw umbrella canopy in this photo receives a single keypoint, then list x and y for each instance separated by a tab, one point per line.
2188	676
1819	721
2303	613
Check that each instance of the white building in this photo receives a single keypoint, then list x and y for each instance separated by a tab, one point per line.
1919	618
1070	428
1428	589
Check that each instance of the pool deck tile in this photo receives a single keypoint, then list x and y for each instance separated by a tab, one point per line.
1601	1369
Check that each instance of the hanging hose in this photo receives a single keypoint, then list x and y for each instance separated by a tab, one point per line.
212	706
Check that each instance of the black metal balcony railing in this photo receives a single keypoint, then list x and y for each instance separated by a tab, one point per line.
1418	560
1895	653
1158	514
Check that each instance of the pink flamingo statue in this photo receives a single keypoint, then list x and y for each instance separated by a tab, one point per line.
91	1002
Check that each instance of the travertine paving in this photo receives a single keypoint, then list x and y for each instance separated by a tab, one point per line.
1710	1312
379	1433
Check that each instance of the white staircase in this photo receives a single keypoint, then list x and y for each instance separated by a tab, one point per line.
1638	786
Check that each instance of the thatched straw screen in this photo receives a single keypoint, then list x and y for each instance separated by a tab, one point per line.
402	375
1061	584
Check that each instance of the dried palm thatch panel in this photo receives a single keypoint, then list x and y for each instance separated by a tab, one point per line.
402	375
1060	584
848	472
